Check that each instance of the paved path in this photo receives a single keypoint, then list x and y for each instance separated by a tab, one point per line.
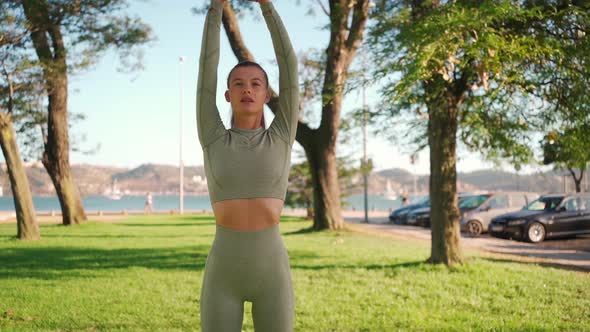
565	253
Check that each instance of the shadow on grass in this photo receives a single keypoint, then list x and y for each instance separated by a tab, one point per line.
165	224
294	219
302	231
66	262
416	264
108	236
543	264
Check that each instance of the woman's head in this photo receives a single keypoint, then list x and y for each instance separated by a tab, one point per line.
247	89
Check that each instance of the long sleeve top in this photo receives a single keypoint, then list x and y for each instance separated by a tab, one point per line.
247	163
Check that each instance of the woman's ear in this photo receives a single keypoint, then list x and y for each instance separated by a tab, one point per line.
226	95
267	99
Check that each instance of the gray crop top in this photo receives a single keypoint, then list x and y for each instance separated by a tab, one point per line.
247	163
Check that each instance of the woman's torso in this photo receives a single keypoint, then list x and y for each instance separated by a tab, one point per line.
248	214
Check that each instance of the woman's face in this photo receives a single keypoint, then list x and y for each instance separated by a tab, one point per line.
248	90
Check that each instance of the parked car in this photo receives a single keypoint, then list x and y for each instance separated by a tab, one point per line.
549	216
421	216
476	221
399	216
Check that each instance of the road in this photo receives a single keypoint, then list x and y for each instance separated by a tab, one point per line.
573	253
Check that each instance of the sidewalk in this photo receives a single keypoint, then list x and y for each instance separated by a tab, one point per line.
564	253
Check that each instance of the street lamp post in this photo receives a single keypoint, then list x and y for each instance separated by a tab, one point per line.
181	203
365	115
365	168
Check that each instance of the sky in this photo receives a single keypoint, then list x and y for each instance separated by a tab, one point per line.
135	118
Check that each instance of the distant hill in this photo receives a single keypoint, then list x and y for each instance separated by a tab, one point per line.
96	180
483	180
164	179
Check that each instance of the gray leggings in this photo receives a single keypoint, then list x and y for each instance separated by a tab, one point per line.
247	266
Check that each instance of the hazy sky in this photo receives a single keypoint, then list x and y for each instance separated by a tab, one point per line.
136	117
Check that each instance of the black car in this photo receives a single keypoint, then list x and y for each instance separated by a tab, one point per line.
399	216
467	202
549	216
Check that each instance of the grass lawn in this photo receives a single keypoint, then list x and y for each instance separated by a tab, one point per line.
144	274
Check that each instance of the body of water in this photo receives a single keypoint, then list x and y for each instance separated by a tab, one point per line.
171	202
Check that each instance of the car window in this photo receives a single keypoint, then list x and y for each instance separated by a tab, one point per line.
571	204
472	202
517	201
499	202
585	203
544	203
422	200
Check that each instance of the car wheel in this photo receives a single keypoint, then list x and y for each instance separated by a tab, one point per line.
535	232
474	228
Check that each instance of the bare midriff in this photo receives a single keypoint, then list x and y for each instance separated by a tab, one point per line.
248	214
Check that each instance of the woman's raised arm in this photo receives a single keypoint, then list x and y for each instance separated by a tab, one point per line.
286	119
209	124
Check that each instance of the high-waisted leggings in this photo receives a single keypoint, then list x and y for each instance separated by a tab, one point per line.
247	266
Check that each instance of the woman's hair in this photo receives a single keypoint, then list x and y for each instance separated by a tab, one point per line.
247	64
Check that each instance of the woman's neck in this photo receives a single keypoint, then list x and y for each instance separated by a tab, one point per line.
248	122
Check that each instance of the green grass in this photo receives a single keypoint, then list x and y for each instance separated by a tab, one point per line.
144	274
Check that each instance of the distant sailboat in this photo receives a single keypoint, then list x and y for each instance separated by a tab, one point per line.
389	193
113	193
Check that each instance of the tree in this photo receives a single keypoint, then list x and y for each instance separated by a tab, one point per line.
567	144
569	150
300	190
66	37
467	68
13	90
347	20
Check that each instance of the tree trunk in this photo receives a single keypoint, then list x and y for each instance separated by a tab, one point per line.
27	227
326	194
577	180
56	157
444	215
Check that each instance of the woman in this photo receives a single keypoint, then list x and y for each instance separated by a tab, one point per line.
247	167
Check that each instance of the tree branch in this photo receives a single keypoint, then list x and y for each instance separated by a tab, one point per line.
324	8
360	16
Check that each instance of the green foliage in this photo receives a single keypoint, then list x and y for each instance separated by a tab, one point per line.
90	28
145	274
300	190
567	149
490	55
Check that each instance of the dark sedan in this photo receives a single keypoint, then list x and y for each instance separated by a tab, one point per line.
467	202
400	215
549	216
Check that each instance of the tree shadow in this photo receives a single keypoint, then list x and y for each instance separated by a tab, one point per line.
106	236
66	262
294	219
397	266
301	231
165	224
543	264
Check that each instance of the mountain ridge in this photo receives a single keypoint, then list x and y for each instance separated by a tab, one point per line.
164	179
